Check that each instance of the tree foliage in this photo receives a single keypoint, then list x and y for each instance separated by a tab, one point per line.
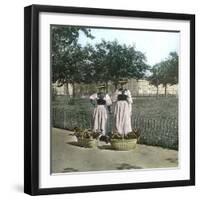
165	72
104	62
112	61
67	54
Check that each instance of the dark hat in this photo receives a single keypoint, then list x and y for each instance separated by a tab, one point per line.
101	86
123	81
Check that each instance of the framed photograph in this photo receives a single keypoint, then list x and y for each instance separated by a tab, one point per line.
109	99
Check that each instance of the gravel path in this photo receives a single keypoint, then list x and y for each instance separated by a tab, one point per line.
68	157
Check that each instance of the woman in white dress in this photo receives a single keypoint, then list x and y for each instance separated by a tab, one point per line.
123	109
102	103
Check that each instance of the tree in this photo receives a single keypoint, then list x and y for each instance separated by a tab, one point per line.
99	63
173	68
75	60
113	61
125	61
67	55
104	62
165	72
64	39
169	71
154	78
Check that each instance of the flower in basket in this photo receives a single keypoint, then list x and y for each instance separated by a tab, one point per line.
135	134
132	135
86	137
116	135
85	133
78	132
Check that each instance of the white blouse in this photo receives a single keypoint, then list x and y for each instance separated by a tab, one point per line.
127	92
106	98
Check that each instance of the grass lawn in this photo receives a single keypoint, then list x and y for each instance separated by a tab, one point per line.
143	107
151	107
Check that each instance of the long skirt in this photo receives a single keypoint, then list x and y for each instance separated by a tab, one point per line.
100	119
122	117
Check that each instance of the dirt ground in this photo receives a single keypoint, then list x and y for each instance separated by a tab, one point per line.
68	157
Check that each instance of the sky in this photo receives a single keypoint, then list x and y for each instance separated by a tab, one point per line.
155	45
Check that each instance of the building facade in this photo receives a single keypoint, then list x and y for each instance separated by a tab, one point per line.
143	88
137	88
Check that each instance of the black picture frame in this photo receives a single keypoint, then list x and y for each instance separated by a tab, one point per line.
31	99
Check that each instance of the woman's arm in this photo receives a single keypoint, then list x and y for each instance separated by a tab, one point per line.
114	97
93	98
108	102
130	101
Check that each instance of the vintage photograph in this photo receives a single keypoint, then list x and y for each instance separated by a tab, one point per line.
114	99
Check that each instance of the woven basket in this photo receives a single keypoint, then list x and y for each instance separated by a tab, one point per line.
88	143
123	144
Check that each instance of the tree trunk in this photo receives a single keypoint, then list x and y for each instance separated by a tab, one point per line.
67	88
106	86
165	90
137	87
73	90
157	87
82	89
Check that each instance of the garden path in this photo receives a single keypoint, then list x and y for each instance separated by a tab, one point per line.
68	157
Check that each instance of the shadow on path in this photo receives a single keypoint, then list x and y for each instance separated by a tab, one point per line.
128	166
70	169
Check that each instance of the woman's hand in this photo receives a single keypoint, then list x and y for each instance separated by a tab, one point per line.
92	102
109	110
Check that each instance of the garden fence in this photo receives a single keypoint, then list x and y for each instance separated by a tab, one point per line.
160	131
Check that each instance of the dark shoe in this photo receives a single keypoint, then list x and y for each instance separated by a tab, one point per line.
105	139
